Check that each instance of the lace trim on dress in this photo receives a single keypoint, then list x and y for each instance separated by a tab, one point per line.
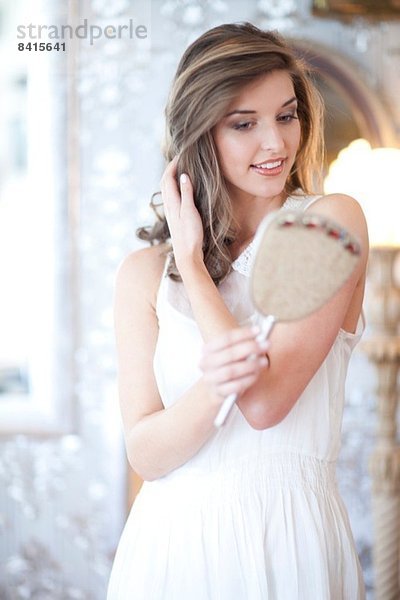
243	262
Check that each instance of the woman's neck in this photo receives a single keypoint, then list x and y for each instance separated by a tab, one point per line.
237	247
249	220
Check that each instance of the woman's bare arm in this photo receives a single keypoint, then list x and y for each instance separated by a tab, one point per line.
159	440
297	348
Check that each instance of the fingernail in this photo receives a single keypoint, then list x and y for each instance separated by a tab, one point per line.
264	344
184	178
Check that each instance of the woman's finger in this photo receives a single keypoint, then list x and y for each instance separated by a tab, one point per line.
170	191
235	371
187	205
238	386
234	353
231	337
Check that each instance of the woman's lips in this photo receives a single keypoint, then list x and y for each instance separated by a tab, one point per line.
270	167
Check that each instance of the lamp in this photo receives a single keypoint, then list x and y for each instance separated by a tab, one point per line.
371	176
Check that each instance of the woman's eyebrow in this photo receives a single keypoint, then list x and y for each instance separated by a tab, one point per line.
289	101
249	112
240	112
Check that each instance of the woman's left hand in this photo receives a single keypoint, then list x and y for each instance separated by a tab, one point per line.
182	216
231	362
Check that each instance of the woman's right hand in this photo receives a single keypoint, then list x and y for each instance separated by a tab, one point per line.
183	218
231	363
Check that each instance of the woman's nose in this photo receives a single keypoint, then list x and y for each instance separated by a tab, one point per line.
272	139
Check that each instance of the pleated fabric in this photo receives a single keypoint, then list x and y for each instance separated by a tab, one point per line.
254	515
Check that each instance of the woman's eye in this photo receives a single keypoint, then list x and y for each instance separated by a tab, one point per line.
287	118
242	125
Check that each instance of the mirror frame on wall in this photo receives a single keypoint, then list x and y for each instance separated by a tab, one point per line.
370	114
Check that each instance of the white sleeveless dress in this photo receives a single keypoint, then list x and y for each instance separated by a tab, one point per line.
254	515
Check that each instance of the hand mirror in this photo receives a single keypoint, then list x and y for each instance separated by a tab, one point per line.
301	261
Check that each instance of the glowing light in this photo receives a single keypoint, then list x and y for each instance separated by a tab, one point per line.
371	176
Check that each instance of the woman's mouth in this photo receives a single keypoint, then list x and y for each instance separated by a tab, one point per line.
269	167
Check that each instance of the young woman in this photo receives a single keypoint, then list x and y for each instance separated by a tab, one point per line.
250	511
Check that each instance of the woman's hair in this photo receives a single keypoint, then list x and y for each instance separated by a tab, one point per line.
211	73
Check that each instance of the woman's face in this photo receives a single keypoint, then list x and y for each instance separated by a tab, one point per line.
258	138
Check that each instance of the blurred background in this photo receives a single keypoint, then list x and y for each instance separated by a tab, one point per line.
81	128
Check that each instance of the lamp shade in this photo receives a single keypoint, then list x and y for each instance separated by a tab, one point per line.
371	176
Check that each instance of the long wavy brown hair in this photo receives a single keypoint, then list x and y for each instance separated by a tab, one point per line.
211	73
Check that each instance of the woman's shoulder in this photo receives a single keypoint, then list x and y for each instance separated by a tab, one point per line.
345	209
142	270
348	213
336	203
150	258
